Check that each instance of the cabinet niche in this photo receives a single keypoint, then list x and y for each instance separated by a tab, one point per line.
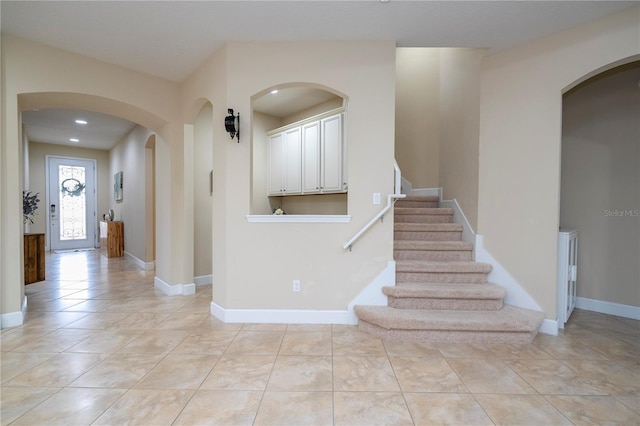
306	163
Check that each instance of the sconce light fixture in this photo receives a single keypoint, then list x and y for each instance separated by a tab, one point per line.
232	124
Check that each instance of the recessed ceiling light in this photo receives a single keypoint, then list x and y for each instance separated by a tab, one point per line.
274	91
81	121
74	140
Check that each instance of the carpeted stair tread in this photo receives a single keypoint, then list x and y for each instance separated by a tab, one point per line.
432	245
445	291
423	211
443	267
507	319
427	227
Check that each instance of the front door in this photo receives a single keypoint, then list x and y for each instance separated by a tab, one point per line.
71	201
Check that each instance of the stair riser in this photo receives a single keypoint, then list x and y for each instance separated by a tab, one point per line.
446	304
423	218
435	277
416	204
470	336
432	255
428	235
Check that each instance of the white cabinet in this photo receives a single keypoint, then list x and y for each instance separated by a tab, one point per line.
307	157
567	274
285	176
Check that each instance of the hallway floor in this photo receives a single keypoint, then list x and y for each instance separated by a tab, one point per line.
101	346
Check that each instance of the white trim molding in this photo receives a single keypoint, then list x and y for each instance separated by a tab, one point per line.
278	316
174	289
203	280
147	266
298	218
425	192
14	319
610	308
372	294
468	234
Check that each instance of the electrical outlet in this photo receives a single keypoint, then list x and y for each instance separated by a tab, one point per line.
296	286
376	198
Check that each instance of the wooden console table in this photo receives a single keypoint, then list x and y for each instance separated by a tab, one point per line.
33	258
112	238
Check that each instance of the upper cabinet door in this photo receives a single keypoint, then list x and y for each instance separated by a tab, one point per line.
331	154
276	164
292	170
311	158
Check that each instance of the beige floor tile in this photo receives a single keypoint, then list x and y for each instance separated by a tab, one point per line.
71	406
632	402
306	343
155	341
58	371
52	320
515	351
179	372
464	350
295	408
265	327
609	377
182	321
595	410
565	348
309	327
98	320
416	374
54	341
15	401
50	305
370	408
256	343
522	410
356	343
421	349
552	377
236	408
240	372
489	375
118	371
146	407
140	321
446	409
13	364
356	373
105	341
301	373
12	338
93	305
206	342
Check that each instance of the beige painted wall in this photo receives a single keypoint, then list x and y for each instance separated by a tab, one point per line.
37	76
520	138
417	115
600	192
128	157
203	199
37	178
312	253
459	124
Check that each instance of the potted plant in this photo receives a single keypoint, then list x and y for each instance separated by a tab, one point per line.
29	206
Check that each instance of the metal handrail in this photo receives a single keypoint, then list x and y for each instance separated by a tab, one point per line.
391	199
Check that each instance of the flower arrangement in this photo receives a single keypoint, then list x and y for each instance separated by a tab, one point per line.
278	211
29	206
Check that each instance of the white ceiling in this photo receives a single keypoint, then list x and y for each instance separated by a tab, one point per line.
169	39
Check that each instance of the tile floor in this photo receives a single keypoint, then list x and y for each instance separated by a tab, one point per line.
100	346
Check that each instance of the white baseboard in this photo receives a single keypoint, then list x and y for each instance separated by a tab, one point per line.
468	234
147	266
610	308
549	327
174	289
372	294
277	316
203	280
14	319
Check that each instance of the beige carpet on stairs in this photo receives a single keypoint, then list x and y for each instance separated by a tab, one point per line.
441	294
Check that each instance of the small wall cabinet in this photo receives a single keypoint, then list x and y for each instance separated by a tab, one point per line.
567	274
112	238
33	258
307	157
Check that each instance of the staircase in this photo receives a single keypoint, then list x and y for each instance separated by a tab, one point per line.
441	294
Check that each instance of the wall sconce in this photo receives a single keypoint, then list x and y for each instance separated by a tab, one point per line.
232	124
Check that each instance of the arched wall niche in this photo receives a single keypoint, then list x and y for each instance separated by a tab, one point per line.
282	106
600	71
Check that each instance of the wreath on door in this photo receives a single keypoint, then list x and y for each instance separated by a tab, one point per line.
72	187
